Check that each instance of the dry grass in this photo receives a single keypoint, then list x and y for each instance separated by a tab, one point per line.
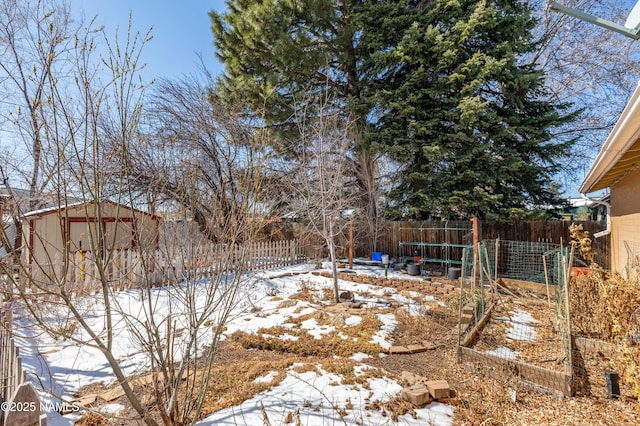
605	306
92	419
307	292
330	344
327	294
430	322
233	383
394	408
287	304
346	369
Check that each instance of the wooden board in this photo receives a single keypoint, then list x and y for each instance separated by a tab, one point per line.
553	380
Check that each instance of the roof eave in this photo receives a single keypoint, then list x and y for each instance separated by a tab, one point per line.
624	134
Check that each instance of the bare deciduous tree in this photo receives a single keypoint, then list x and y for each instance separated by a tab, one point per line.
198	154
90	154
320	182
592	68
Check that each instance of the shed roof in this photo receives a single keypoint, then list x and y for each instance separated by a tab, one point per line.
620	154
55	209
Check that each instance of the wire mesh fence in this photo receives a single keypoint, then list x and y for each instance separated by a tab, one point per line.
512	320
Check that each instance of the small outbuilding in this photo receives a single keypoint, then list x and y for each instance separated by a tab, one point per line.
617	167
50	234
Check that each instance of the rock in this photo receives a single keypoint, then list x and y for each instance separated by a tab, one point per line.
346	296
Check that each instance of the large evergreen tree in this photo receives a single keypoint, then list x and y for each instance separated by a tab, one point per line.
465	116
440	86
279	54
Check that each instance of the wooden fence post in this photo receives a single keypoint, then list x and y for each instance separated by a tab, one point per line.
476	251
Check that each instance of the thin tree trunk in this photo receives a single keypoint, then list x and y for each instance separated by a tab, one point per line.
334	264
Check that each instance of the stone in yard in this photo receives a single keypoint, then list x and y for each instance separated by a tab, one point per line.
417	394
438	389
397	350
346	296
414	349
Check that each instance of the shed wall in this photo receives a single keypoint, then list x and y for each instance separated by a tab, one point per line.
47	234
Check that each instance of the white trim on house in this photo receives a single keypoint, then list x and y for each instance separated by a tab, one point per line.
606	168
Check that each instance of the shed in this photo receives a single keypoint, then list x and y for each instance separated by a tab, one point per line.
617	167
87	226
585	209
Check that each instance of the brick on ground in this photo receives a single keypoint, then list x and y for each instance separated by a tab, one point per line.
466	319
438	389
417	394
414	349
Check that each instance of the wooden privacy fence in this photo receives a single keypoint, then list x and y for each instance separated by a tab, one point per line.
394	236
125	269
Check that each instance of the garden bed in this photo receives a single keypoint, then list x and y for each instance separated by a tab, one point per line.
519	336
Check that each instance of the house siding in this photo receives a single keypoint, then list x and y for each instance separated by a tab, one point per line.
625	219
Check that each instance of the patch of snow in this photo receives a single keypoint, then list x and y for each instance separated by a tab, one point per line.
312	327
305	311
381	337
504	352
112	408
314	397
267	378
353	320
359	356
288	336
519	328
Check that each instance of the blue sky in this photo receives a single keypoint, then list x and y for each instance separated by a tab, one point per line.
180	30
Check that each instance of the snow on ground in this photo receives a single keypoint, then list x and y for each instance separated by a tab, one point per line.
504	352
62	367
320	402
519	328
